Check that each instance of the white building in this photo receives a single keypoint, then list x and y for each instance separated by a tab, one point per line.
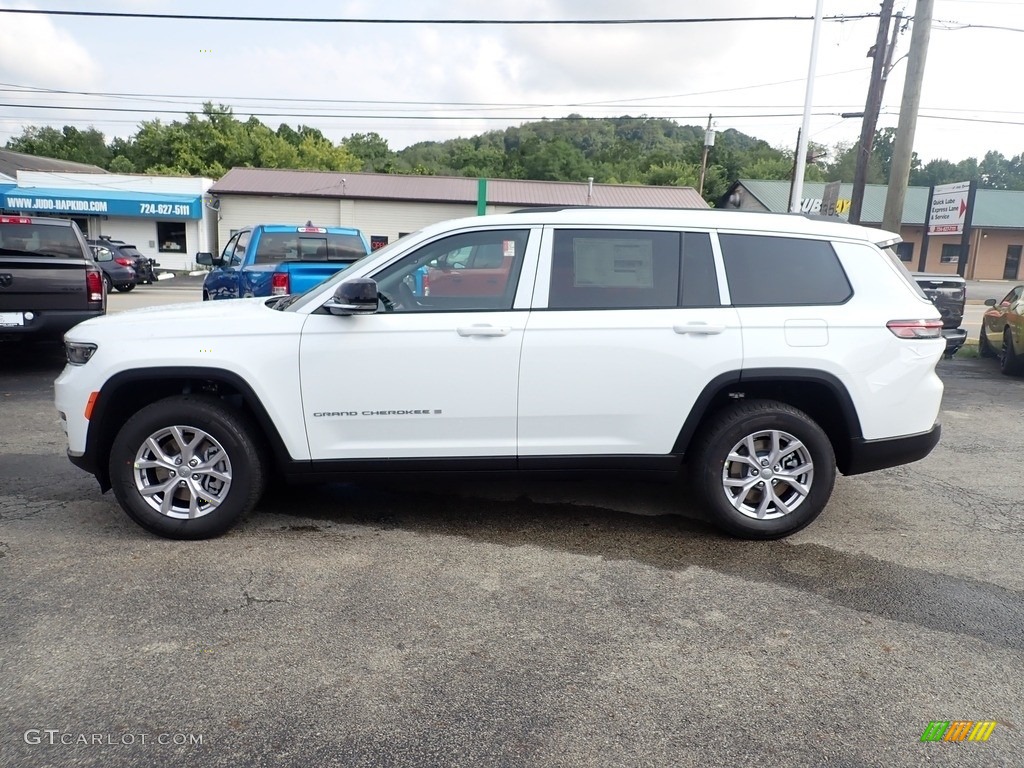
165	217
386	206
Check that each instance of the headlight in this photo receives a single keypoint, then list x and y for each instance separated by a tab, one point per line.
78	352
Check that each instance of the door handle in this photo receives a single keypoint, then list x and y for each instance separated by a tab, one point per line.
482	330
702	329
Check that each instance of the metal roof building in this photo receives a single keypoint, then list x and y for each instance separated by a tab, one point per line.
995	251
385	206
11	162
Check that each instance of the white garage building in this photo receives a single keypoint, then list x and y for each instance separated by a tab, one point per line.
165	217
386	206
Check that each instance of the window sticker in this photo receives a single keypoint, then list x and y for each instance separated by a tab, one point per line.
612	263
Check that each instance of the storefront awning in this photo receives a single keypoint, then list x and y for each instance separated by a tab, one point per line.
101	202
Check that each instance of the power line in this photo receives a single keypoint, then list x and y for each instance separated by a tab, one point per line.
439	118
163	98
353	116
473	22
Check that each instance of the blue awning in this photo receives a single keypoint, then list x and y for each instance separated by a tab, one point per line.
100	202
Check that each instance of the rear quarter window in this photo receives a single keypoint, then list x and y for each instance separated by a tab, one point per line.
765	270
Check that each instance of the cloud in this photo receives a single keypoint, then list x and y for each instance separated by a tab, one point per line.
35	52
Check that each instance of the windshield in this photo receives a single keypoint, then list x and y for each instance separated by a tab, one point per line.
40	239
299	300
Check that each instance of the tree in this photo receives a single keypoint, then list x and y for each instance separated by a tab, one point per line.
372	149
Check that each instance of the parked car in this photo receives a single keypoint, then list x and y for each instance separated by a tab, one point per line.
144	266
949	294
48	280
276	260
117	272
475	270
761	353
1002	331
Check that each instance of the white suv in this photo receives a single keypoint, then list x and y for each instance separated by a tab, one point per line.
760	351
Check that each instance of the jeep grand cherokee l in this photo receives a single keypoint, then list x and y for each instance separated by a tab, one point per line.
760	353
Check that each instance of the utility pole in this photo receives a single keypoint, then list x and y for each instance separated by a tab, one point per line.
903	147
709	142
879	69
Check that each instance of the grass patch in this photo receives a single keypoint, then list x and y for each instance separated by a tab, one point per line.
969	351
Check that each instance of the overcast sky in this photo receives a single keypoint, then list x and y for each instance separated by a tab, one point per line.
493	76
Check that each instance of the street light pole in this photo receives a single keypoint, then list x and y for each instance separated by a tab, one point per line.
805	127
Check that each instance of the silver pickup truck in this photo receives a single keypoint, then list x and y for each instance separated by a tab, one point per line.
48	281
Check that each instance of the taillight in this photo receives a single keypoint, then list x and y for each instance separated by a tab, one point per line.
124	262
916	329
279	284
94	285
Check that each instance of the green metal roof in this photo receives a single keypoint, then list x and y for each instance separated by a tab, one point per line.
993	208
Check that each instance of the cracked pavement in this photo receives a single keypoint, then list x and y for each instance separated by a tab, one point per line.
443	623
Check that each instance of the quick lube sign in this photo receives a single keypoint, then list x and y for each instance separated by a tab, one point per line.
114	204
949	208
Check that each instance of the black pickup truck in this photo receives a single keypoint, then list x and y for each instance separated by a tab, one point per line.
48	281
949	294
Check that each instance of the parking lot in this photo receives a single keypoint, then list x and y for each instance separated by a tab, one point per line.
576	623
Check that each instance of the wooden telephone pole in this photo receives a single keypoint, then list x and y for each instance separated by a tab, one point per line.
903	147
882	53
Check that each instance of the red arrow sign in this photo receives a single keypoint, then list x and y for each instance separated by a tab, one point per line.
963	208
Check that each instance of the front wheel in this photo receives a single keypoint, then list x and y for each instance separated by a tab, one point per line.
187	467
764	468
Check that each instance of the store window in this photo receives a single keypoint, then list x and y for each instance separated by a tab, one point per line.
950	253
905	251
170	236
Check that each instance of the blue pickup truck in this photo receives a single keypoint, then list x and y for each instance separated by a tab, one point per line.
278	259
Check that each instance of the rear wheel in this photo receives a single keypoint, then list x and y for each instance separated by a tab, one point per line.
187	467
124	288
764	468
1010	362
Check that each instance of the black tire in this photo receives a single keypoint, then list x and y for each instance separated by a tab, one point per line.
229	435
984	348
108	283
1010	362
709	465
125	287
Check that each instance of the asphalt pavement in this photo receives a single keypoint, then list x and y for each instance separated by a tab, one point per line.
443	623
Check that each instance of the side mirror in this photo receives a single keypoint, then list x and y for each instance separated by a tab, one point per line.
206	258
354	297
990	302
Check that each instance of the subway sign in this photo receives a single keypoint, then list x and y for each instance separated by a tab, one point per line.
115	204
